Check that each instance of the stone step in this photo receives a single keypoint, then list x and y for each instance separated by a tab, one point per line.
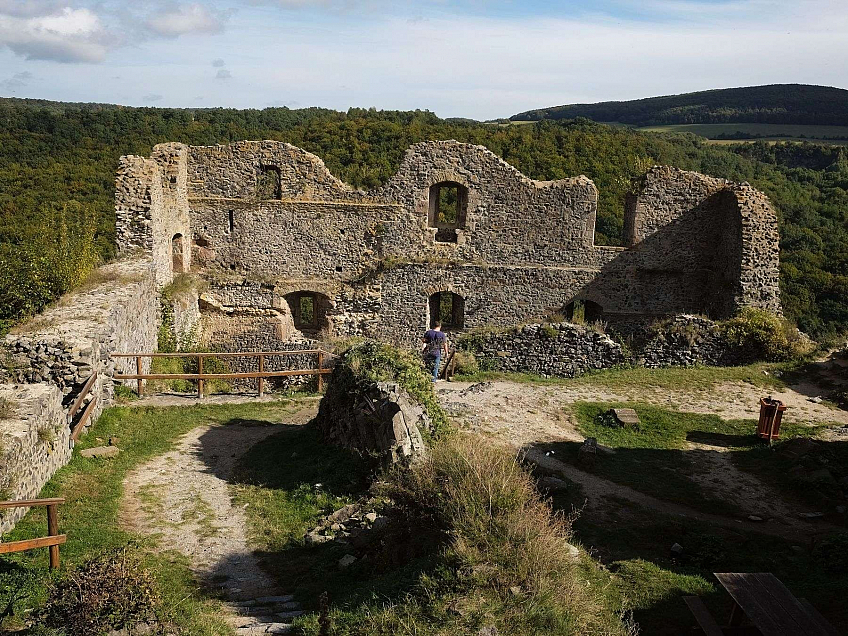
273	600
265	628
287	616
260	610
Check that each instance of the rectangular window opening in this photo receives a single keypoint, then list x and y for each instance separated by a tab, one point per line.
232	220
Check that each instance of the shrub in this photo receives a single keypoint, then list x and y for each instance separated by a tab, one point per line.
109	592
7	409
466	363
762	335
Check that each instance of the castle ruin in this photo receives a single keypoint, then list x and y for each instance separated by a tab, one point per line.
292	252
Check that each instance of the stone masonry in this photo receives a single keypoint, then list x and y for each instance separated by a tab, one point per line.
270	229
559	349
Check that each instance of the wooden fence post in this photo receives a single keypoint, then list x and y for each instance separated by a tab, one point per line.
53	531
200	381
320	375
261	370
138	372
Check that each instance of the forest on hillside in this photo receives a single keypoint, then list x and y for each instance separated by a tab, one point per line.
57	165
773	104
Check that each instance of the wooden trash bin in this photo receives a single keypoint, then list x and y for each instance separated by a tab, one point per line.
771	414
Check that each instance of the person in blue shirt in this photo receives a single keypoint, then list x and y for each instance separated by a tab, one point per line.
435	347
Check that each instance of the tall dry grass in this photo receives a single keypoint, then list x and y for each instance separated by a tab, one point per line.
508	559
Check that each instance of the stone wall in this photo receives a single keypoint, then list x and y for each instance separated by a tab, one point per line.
34	444
50	358
523	249
559	349
685	341
151	209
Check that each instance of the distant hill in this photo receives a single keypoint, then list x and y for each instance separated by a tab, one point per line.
772	104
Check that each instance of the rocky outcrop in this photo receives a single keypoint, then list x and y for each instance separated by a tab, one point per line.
378	418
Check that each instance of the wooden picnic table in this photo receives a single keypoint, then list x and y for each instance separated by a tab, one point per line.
770	607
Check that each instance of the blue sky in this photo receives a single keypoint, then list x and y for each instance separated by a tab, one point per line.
458	58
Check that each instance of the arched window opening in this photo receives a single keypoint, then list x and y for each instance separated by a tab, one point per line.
309	311
583	312
449	309
448	207
177	255
269	183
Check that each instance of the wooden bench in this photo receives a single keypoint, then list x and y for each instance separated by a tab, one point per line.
702	616
52	541
762	606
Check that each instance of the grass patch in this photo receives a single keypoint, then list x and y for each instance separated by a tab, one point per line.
655	459
635	542
473	545
89	517
290	480
765	375
7	409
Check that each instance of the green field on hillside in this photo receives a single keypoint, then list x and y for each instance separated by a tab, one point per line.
765	131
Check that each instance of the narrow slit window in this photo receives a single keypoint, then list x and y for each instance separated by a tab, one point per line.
232	220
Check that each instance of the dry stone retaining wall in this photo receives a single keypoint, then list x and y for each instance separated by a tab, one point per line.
50	358
562	349
34	444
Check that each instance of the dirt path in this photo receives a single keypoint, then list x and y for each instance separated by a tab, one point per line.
183	498
523	415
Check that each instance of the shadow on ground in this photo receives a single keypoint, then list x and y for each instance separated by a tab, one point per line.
636	543
287	482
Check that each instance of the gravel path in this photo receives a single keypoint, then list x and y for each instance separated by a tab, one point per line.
183	498
523	415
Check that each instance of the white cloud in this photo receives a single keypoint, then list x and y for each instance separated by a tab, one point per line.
68	35
181	19
153	97
223	74
218	63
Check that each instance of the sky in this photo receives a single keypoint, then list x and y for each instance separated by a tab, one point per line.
481	59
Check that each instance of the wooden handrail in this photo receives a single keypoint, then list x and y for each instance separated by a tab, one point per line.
201	377
53	539
220	376
32	503
86	415
77	403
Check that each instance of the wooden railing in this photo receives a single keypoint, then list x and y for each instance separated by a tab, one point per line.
52	541
261	374
76	431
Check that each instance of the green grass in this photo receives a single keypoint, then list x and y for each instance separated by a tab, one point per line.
468	527
93	489
765	375
290	480
794	131
634	543
655	460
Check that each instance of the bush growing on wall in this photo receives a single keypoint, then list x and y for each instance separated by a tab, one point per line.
762	335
